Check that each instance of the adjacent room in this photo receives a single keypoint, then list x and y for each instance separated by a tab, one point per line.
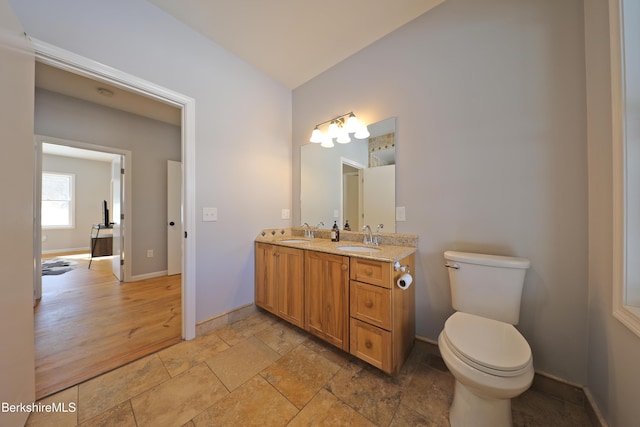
86	297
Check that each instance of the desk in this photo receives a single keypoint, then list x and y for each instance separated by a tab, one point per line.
101	245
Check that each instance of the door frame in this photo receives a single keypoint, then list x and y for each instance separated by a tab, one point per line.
74	63
174	255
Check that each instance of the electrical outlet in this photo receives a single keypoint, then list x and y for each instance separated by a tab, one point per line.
209	214
150	253
286	214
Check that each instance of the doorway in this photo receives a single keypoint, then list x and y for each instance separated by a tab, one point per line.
69	61
81	292
351	199
97	180
185	284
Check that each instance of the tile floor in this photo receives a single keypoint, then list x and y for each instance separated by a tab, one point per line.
262	371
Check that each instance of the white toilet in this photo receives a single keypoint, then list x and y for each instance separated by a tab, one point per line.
488	357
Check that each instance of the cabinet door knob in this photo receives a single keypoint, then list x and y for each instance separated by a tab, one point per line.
344	267
276	254
368	271
368	344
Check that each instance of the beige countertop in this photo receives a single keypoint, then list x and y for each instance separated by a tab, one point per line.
388	252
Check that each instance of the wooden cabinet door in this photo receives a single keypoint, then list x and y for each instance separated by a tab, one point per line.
289	278
314	277
265	285
327	296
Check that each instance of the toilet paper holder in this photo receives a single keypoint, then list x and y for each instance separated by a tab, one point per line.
403	268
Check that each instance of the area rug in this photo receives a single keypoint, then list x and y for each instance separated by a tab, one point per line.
56	266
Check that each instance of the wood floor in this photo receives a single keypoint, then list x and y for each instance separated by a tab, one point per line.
88	323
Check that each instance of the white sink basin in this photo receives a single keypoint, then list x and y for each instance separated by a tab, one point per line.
293	241
358	248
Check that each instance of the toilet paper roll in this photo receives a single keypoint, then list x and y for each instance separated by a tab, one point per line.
405	281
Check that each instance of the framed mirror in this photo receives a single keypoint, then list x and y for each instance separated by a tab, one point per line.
352	182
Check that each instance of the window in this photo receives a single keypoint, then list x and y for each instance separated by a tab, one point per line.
57	200
625	90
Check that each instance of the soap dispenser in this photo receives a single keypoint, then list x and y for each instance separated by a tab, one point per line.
335	232
347	227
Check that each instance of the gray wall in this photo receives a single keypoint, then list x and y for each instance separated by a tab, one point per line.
243	126
92	186
614	351
151	142
491	152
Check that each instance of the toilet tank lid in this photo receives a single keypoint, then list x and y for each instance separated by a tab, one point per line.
489	260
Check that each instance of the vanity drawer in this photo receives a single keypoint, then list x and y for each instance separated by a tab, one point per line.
371	304
371	344
369	271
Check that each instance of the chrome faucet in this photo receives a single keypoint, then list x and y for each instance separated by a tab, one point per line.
376	240
307	232
313	232
367	240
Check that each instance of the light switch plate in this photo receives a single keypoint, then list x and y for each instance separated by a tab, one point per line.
209	214
336	213
286	214
401	214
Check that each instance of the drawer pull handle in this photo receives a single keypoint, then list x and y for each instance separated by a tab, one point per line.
368	271
368	304
368	344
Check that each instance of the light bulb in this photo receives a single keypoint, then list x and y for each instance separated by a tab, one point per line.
352	123
343	136
362	133
333	129
316	136
327	142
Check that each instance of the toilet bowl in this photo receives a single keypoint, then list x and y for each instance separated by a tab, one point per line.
491	362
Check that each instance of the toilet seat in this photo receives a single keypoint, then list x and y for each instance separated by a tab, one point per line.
491	346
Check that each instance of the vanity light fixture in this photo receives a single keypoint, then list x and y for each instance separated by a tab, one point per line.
339	129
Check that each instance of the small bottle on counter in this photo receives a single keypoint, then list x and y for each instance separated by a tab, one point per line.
335	232
347	227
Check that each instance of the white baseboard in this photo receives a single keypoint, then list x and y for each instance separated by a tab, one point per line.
595	408
148	275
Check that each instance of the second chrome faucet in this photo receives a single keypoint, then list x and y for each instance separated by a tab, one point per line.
370	239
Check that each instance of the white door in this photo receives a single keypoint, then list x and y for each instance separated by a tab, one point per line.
17	383
115	215
174	217
379	197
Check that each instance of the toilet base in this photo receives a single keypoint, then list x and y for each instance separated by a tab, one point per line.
470	410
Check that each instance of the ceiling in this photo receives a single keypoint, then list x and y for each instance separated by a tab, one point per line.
295	40
78	153
290	40
66	83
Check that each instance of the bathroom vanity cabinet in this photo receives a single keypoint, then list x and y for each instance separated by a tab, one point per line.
326	286
349	300
382	316
279	283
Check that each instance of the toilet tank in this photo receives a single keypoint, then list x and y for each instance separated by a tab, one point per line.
486	285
